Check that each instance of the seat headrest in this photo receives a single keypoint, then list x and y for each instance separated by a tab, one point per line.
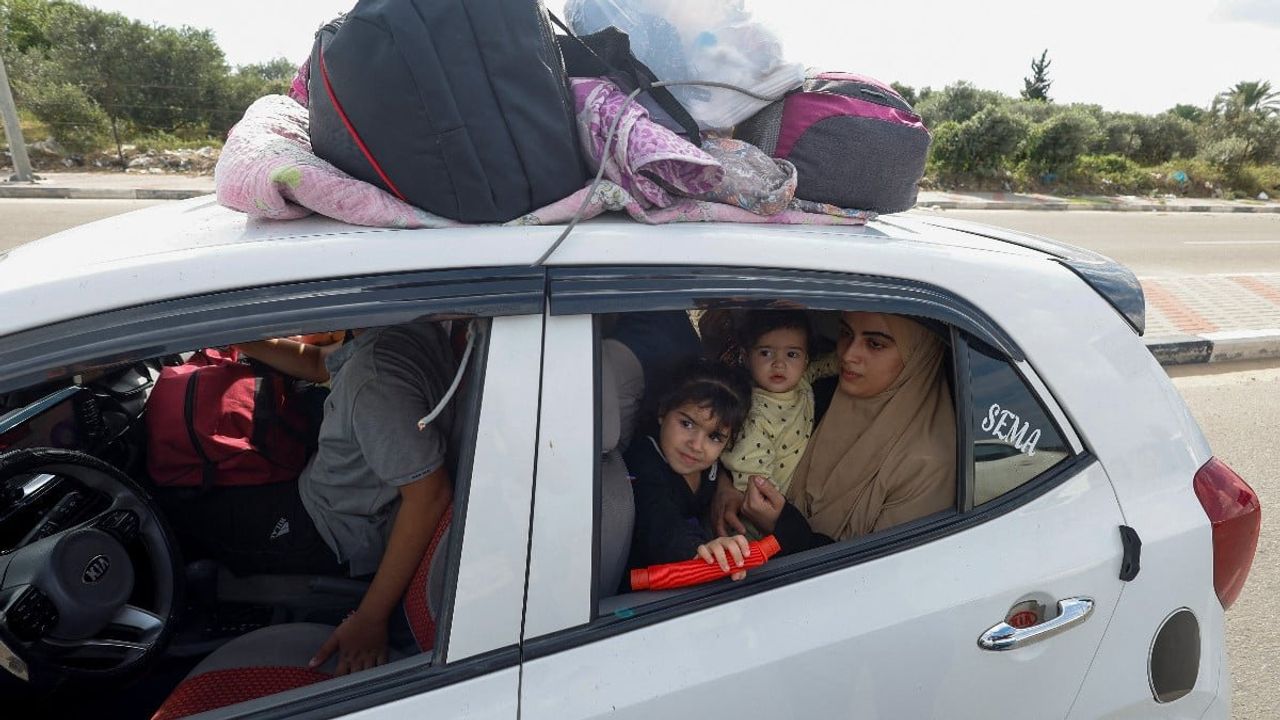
610	410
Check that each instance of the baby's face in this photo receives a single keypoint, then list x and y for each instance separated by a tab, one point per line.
778	359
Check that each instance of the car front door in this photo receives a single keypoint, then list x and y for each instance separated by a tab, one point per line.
916	621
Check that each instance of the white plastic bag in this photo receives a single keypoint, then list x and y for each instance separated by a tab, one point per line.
698	40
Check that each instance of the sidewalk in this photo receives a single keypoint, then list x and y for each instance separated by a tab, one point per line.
1199	319
1213	318
108	186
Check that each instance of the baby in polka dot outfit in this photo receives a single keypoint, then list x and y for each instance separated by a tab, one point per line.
777	430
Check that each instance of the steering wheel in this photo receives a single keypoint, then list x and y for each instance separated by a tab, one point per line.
92	590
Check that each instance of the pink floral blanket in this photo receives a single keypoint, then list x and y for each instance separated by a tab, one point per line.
267	170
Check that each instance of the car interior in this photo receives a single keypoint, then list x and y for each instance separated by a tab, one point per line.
74	463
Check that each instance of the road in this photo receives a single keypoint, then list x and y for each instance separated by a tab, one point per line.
1237	406
1156	244
24	220
1239	413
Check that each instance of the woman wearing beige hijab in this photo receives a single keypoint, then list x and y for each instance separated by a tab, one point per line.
884	453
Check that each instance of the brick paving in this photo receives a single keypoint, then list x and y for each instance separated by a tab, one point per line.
1207	304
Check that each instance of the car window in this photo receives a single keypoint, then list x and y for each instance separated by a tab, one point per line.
642	353
225	452
1014	439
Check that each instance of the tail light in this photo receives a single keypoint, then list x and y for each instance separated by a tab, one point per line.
1236	516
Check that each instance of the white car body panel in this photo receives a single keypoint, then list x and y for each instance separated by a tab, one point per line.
489	600
895	637
560	562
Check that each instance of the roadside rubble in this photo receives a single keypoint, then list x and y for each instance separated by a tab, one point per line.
49	155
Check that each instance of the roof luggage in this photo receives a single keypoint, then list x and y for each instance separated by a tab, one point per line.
460	107
855	142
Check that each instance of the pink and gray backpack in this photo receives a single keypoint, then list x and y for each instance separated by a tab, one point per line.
854	141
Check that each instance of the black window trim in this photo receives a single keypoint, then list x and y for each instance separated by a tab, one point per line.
962	392
587	291
161	328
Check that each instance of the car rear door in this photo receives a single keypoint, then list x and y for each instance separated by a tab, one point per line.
916	621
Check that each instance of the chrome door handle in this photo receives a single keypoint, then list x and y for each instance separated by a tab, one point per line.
1071	612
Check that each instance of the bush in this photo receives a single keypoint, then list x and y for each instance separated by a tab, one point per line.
1165	137
1229	153
982	144
1057	142
957	103
1034	111
1121	134
1109	174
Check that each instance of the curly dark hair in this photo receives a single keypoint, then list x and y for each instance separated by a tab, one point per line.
723	390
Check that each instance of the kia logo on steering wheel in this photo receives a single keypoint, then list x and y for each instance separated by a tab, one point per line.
96	569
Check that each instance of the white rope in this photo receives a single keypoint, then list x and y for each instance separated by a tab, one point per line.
457	379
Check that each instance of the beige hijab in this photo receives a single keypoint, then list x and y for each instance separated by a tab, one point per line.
877	462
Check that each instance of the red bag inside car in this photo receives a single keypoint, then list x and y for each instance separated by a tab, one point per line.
217	422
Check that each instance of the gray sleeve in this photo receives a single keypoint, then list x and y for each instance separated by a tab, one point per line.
385	419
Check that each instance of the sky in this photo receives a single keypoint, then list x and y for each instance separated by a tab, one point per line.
1126	55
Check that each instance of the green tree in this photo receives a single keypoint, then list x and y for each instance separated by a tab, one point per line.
1121	134
1057	142
1192	113
1036	87
982	144
959	102
1247	112
250	82
1246	98
1165	137
907	92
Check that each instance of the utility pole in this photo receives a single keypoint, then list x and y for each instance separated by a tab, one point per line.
13	131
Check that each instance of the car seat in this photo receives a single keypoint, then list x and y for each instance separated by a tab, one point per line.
621	385
274	659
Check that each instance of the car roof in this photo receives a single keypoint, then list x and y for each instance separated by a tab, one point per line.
196	247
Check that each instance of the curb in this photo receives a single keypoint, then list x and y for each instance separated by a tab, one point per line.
36	192
1217	347
1094	207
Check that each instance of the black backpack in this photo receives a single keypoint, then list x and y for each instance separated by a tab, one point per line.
460	107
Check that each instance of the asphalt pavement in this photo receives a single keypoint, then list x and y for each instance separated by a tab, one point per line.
25	220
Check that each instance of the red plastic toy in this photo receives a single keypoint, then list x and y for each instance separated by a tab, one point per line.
685	573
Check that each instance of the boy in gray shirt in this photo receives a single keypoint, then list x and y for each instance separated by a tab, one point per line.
377	486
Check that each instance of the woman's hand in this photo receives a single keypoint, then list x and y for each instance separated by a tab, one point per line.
763	504
360	641
725	506
720	550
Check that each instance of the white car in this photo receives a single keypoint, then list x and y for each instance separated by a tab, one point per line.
1083	573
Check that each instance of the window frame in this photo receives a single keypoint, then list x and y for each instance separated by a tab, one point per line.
601	290
33	357
1038	391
